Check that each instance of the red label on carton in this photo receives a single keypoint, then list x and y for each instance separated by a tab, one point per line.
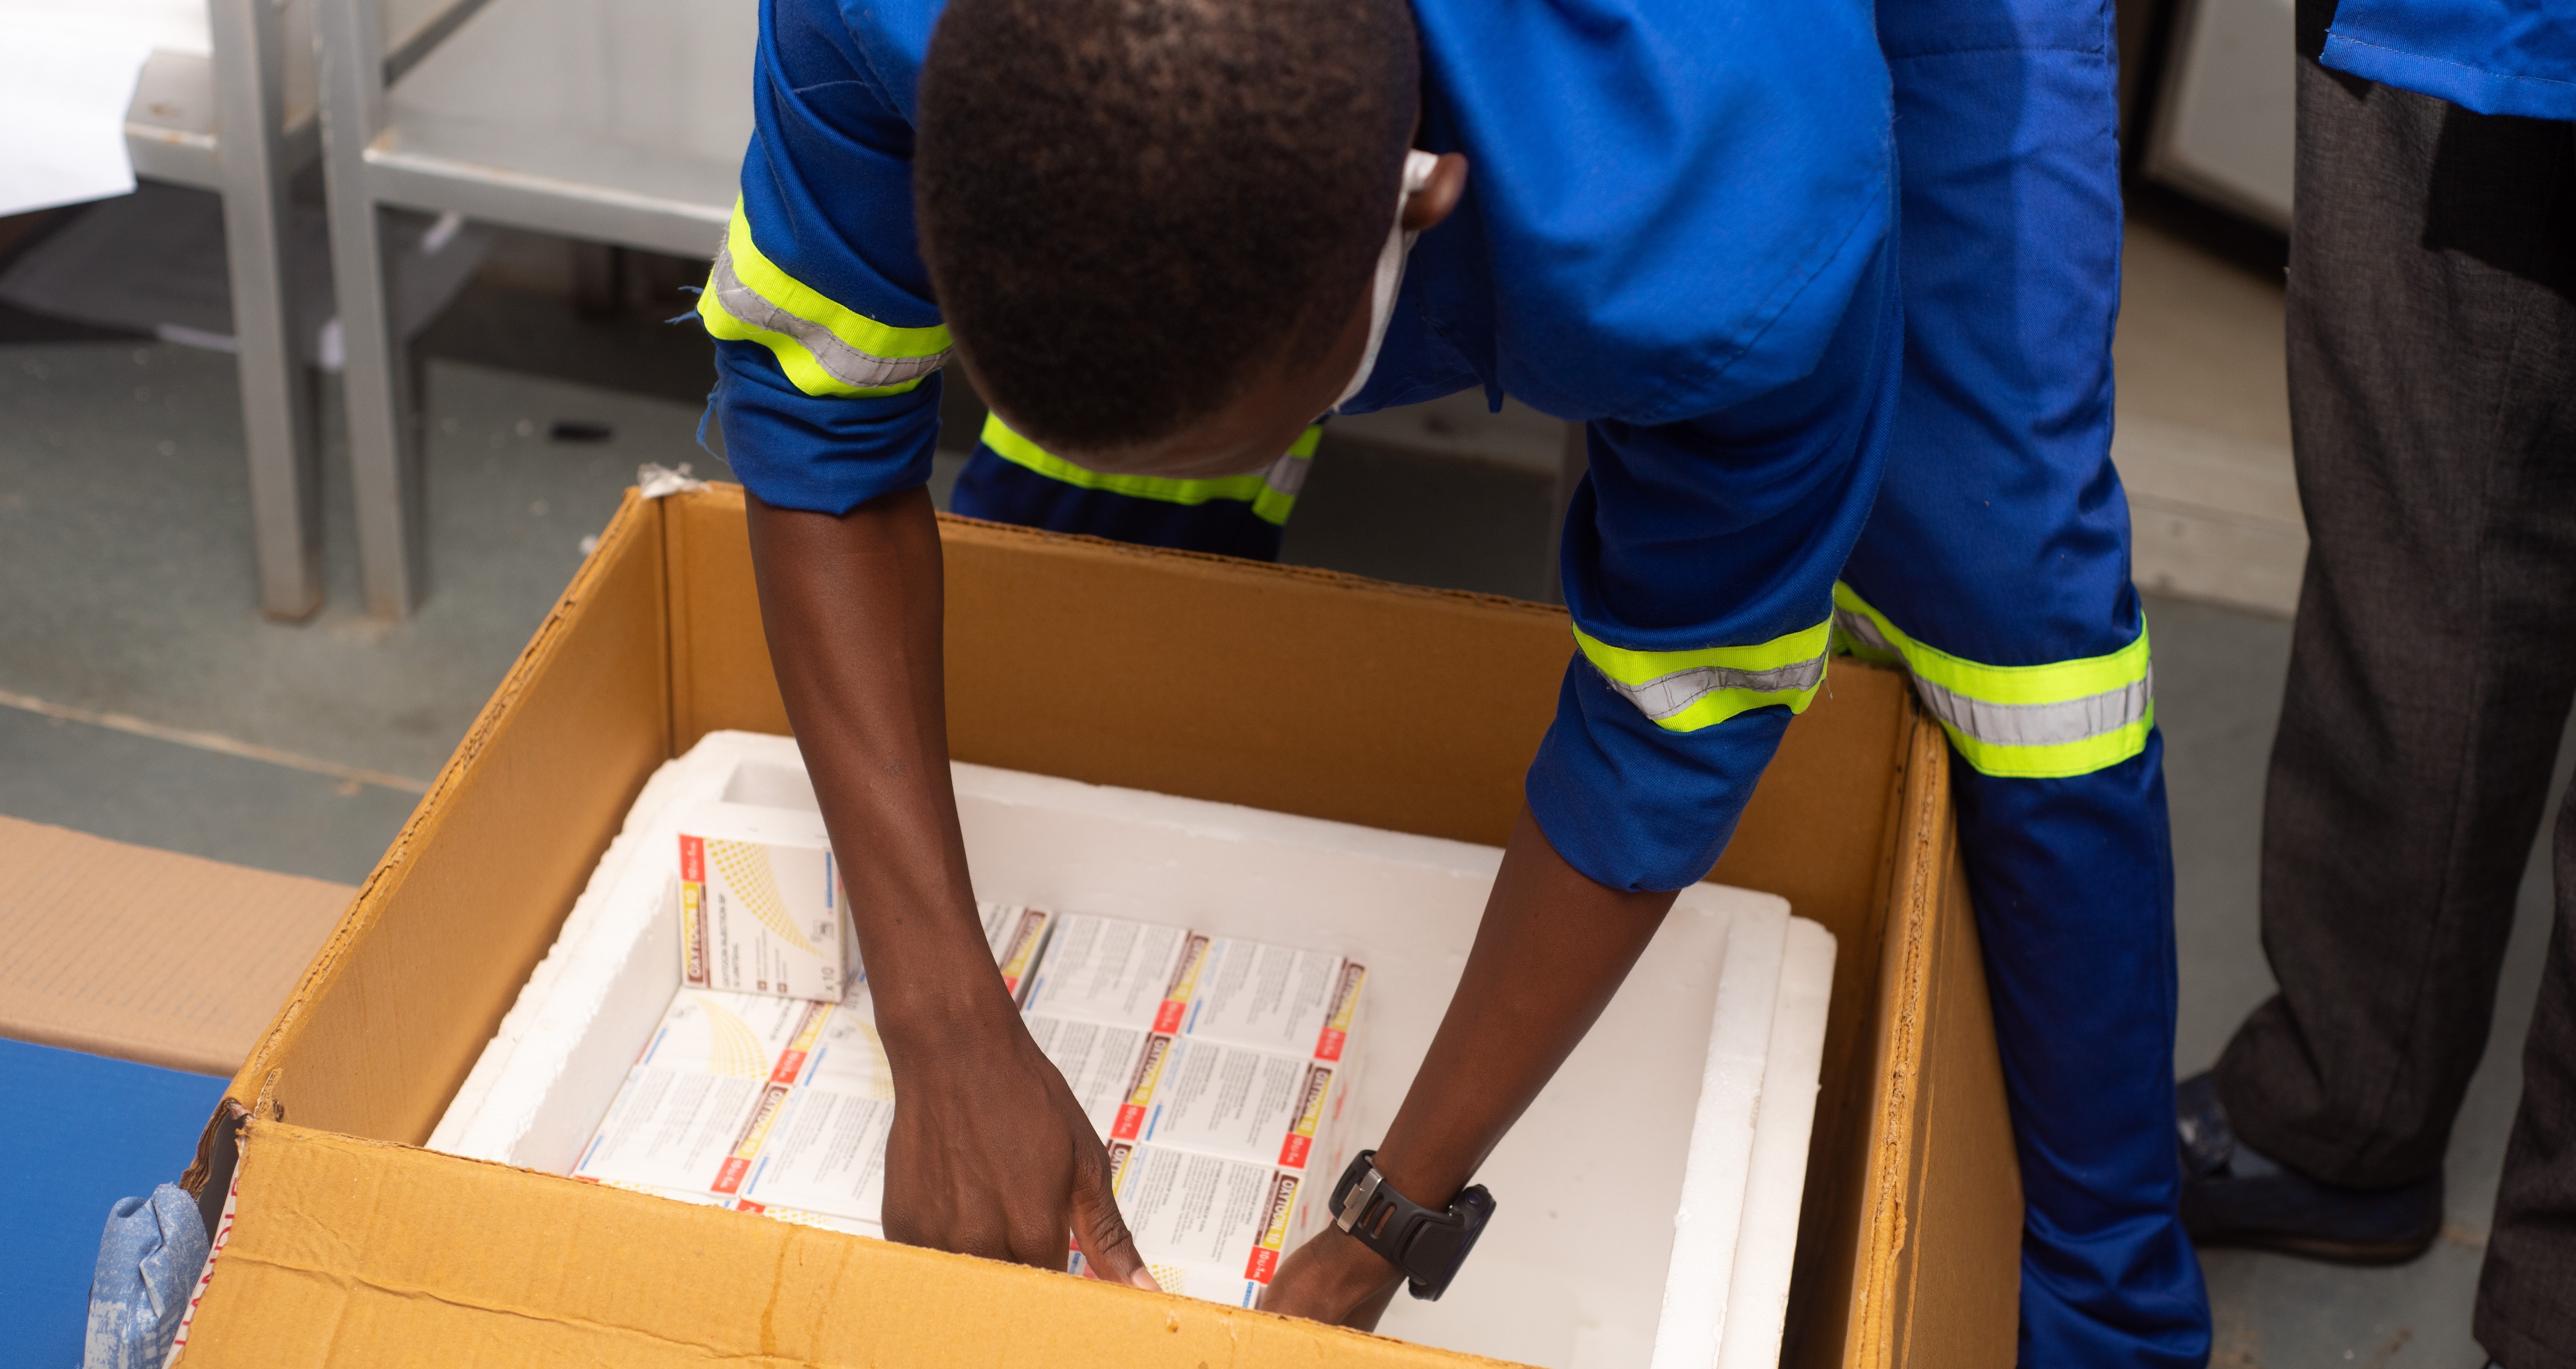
1265	1262
729	1178
1293	1154
693	860
791	1061
1328	1045
1185	980
1131	1119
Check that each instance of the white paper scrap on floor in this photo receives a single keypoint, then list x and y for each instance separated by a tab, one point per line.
1648	1201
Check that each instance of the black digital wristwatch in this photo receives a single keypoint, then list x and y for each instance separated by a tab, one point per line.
1428	1246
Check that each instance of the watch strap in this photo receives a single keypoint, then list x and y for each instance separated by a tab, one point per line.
1426	1244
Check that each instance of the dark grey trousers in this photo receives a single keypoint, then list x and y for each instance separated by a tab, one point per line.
2432	355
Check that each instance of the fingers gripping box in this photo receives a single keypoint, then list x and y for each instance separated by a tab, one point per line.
762	908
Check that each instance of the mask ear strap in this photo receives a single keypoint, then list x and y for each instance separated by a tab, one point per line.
1418	166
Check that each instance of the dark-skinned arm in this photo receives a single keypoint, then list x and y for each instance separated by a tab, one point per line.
990	1154
1549	955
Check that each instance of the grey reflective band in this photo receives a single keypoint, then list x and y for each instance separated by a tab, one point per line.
1666	695
2043	724
841	361
1287	475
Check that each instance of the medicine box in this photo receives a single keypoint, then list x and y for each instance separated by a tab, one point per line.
762	908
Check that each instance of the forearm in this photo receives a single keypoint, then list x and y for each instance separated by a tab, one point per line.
1550	954
852	606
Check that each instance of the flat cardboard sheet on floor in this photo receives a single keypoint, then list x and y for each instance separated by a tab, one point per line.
148	955
359	1248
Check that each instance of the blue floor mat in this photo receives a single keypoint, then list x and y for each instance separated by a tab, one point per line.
88	1131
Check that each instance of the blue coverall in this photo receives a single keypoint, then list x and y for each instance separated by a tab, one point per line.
1678	228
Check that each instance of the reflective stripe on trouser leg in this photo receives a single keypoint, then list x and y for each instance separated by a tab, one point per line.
2033	722
825	347
1271	491
1684	691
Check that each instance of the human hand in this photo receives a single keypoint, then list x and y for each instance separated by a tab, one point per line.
990	1155
1333	1278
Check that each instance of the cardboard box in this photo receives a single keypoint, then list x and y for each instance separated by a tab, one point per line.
762	909
149	955
349	1245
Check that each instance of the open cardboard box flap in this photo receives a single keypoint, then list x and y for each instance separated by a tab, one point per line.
1301	691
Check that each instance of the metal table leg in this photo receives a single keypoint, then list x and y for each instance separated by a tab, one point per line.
277	392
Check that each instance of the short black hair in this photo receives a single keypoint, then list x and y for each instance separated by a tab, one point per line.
1129	207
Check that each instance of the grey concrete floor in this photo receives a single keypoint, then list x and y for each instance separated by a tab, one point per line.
126	588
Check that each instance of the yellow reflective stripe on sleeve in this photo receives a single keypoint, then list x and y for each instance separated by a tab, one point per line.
2047	721
825	348
1684	691
1271	491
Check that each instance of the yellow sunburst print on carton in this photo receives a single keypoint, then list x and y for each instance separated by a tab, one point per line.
733	1048
746	871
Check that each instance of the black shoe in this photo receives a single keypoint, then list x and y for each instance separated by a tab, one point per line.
2233	1195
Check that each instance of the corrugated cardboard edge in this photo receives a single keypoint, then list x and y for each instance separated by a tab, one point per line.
1931	964
359	1252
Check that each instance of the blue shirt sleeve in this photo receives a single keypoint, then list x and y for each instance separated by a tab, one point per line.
823	240
1699	564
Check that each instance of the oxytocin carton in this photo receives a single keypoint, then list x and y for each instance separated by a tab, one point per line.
762	909
1218	1070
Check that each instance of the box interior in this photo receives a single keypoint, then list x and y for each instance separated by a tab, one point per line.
1574	1271
1284	689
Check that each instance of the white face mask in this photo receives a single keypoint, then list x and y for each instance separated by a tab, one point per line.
1418	166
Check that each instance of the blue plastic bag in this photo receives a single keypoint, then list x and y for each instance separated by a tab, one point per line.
148	1263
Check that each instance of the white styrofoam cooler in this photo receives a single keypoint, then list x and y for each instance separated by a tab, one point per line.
1648	1201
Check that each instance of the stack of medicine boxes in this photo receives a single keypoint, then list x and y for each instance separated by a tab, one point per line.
1217	1070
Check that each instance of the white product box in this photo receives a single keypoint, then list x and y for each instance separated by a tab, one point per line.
1680	1123
1016	935
699	1099
825	1155
1275	998
1107	969
1105	1065
1254	1106
1207	1227
762	909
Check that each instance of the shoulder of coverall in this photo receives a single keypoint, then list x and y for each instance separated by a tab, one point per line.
1669	205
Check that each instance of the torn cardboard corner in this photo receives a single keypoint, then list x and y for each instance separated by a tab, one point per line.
149	955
